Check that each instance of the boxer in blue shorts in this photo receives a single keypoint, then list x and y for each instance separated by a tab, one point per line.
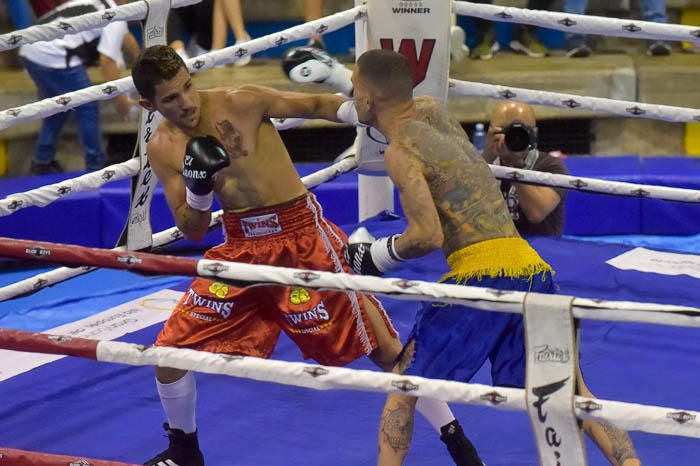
451	202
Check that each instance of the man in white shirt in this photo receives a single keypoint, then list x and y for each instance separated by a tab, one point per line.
58	67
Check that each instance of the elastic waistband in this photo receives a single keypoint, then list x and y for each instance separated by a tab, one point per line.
275	220
501	257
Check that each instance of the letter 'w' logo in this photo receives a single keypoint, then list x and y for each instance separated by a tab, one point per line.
407	48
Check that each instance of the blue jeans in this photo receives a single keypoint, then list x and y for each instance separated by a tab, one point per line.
652	10
51	82
20	13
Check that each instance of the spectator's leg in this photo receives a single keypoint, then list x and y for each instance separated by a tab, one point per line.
313	9
201	24
88	123
49	83
234	16
525	40
655	10
219	31
20	13
177	30
486	43
229	13
578	48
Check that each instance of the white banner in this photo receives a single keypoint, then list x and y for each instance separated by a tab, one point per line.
137	232
663	263
420	31
108	325
551	379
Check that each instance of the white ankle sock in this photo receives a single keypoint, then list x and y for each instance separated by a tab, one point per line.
435	411
179	401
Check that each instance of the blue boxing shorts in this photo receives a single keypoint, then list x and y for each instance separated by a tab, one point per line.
452	342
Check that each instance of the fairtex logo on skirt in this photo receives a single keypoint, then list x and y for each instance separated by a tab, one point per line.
262	225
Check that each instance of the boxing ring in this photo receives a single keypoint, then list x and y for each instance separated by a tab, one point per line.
631	349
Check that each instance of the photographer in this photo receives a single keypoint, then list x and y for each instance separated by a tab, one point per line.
512	142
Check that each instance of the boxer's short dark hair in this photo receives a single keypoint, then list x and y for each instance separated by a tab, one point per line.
387	71
155	64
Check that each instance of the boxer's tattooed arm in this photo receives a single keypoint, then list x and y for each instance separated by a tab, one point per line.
396	428
622	449
231	138
614	443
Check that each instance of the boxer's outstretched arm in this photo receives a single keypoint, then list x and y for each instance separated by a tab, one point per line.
272	103
166	162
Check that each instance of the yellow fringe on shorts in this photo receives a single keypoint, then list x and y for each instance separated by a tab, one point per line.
501	257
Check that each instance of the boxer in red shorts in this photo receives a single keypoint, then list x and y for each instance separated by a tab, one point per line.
221	142
331	327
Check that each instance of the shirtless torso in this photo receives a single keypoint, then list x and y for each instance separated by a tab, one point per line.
469	204
261	172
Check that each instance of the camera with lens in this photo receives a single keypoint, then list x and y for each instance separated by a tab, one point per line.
519	136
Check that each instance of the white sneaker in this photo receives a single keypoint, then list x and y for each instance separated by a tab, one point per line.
243	61
195	50
458	47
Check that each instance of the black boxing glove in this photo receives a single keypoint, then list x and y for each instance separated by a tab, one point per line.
309	64
204	156
367	256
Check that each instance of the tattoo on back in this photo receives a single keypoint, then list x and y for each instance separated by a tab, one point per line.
469	202
231	138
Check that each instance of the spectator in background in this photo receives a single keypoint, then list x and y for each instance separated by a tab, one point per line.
652	10
20	13
190	29
511	141
524	40
204	26
59	66
42	7
229	13
313	9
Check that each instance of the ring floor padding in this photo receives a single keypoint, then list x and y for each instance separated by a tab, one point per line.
110	411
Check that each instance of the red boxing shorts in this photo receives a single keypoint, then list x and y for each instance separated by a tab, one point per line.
331	327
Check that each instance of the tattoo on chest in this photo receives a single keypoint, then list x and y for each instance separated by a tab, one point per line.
231	138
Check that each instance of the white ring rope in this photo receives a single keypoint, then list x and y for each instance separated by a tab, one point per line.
623	108
160	239
580	24
418	290
594	185
66	26
45	195
241	274
627	416
111	89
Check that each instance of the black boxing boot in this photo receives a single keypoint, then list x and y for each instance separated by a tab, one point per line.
461	449
182	451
